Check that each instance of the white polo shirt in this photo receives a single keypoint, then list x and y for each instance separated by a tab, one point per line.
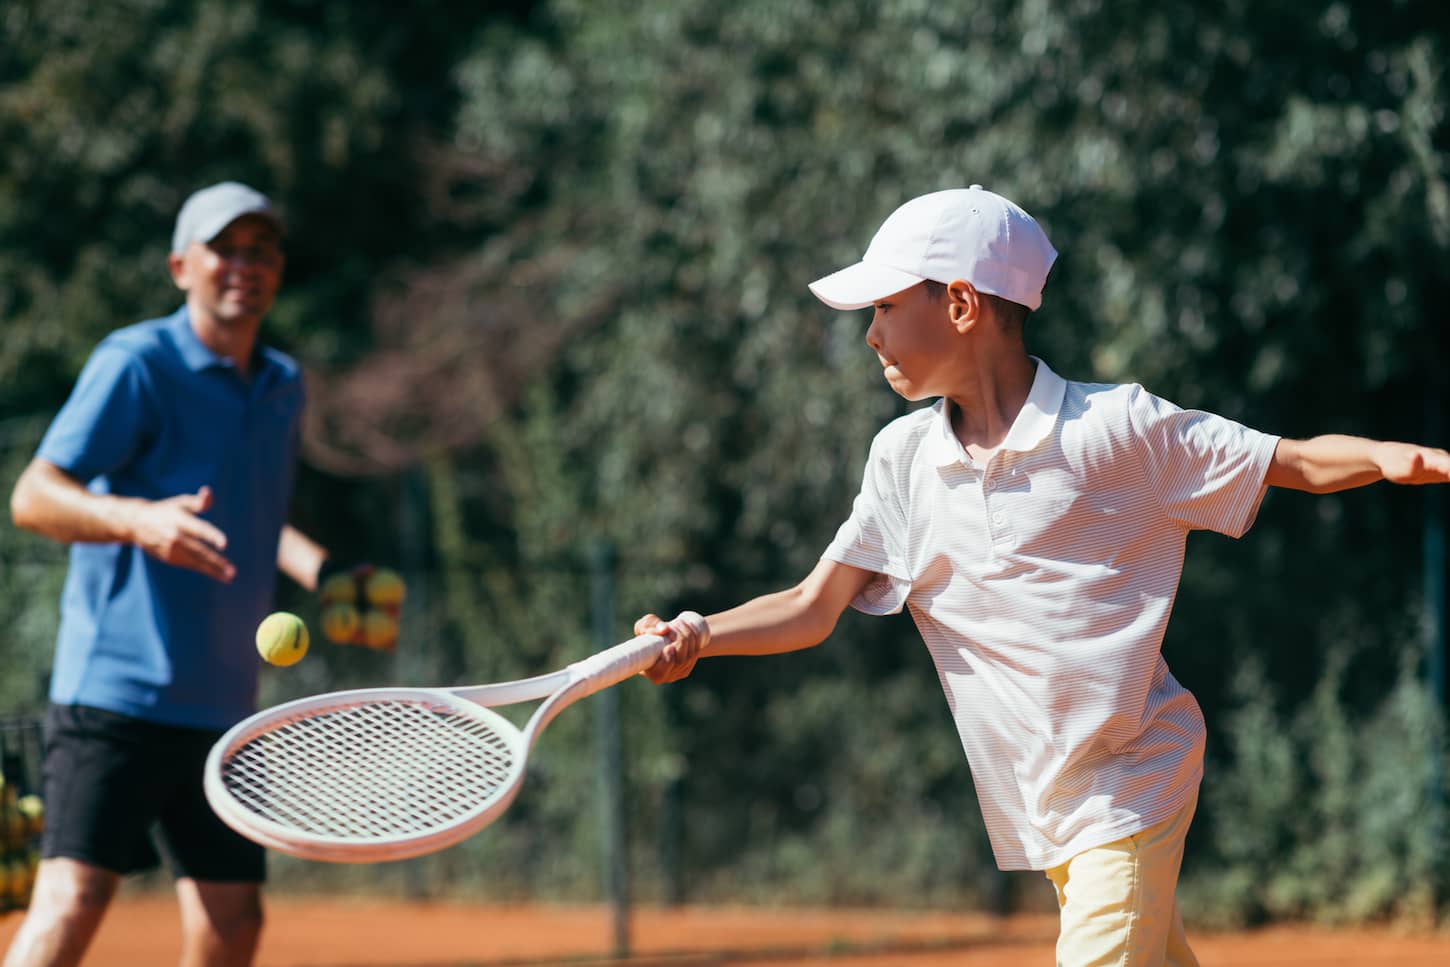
1042	583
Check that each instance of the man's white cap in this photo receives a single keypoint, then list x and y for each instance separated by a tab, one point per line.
961	233
208	212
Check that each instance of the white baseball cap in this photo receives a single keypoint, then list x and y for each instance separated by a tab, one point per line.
208	212
961	233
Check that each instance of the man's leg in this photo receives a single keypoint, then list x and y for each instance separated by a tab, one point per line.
221	923
1117	901
218	874
66	908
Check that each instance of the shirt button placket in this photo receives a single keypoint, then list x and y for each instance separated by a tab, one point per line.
995	515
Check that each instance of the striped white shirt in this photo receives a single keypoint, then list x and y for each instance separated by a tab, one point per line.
1042	584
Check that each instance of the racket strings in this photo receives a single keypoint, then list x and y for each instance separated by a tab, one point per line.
372	771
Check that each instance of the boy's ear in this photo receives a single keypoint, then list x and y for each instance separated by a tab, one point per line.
964	304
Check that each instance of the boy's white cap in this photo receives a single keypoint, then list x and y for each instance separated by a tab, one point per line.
961	233
209	211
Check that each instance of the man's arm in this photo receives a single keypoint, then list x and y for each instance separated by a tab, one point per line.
1325	464
53	504
789	620
300	557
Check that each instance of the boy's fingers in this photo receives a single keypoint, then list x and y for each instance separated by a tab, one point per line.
695	624
684	638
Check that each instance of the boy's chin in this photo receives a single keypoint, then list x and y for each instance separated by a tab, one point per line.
911	394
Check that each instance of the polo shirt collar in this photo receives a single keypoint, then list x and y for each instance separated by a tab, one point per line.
1035	420
194	352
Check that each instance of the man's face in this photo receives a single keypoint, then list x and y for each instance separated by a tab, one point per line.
233	279
912	335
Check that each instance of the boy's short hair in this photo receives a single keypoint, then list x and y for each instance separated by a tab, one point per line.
1012	315
961	233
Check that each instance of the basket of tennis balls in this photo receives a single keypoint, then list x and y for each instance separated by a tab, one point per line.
22	819
361	606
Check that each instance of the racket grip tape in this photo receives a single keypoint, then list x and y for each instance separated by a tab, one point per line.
614	665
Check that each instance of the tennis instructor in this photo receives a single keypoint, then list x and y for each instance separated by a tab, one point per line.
169	471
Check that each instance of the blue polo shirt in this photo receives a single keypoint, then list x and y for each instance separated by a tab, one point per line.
156	414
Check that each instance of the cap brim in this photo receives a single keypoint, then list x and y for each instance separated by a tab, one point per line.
860	285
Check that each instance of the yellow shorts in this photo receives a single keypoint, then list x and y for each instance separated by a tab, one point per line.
1118	901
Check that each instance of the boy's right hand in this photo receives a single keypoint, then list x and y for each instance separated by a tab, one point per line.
688	635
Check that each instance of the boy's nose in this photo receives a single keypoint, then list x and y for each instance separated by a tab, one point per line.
873	339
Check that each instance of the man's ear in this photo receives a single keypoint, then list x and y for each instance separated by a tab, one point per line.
176	262
964	304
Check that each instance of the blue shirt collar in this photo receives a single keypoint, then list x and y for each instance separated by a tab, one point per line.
196	355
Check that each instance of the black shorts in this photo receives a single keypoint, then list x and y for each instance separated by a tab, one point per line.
109	779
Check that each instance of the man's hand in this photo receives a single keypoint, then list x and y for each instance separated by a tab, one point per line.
688	636
170	530
1408	463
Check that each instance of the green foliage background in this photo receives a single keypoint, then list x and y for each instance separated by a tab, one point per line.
547	270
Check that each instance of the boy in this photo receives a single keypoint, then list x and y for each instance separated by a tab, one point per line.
1035	528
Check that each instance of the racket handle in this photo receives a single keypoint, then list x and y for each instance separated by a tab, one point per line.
614	665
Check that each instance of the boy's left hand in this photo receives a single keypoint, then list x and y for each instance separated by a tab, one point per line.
1408	463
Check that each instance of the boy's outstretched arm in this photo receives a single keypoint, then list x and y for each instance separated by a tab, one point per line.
798	617
1325	464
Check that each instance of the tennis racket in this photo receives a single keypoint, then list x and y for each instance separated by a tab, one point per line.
388	773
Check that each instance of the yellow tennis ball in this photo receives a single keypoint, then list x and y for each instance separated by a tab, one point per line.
340	622
282	638
384	589
379	629
33	809
338	588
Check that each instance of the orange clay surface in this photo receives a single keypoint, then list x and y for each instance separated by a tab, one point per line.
312	932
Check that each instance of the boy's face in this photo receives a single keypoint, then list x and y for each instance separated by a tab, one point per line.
913	336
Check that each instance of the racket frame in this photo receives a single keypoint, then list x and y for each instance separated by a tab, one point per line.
558	690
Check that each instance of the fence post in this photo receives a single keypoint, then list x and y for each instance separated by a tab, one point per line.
615	831
1433	551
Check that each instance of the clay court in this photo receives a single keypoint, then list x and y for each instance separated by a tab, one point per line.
141	932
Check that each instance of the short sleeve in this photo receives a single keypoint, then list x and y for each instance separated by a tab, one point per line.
873	537
1207	471
106	420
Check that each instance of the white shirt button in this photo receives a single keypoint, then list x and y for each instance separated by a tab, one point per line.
999	518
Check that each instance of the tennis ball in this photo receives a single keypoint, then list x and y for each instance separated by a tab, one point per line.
282	638
340	622
339	588
33	809
379	629
384	589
